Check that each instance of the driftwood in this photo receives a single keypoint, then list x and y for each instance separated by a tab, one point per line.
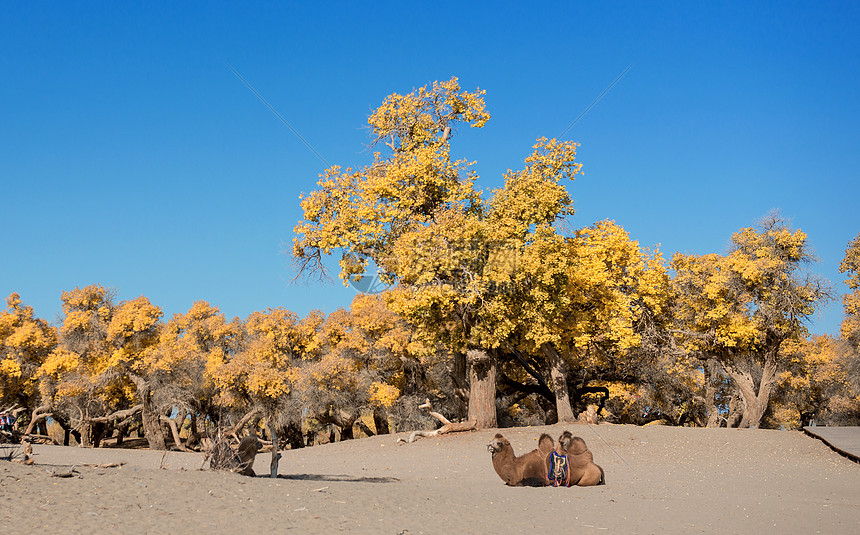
71	472
447	425
106	465
41	439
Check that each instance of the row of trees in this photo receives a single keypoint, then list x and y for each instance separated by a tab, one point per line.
494	311
497	282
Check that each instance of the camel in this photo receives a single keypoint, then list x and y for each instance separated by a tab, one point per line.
580	468
525	470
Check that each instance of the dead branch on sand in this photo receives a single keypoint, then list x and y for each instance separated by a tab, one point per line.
106	465
447	425
41	439
71	472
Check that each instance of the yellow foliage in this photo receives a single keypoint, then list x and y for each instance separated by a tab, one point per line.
25	343
59	362
749	301
383	394
850	265
9	368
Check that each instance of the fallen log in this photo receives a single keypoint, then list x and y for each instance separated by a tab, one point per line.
447	425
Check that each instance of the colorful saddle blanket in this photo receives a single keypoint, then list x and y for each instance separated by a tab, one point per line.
559	470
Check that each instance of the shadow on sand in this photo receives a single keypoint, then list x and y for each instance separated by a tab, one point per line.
338	477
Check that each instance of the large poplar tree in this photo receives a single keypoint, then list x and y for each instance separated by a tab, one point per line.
416	214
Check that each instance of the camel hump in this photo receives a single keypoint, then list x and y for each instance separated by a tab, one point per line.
577	446
545	443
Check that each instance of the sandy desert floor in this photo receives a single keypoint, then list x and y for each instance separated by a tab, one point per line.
660	480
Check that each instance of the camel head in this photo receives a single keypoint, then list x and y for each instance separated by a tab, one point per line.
498	444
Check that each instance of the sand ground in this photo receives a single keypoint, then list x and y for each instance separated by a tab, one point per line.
660	480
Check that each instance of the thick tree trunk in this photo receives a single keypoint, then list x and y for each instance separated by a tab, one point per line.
153	429
273	434
482	388
754	402
736	411
558	374
85	428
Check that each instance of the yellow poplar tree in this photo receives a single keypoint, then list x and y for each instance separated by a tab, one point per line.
850	265
585	302
79	376
363	213
814	384
25	343
367	361
134	334
264	370
738	309
187	366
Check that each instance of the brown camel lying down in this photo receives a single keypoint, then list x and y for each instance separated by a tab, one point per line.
581	470
528	469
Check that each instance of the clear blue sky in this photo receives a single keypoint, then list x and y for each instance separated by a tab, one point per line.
131	156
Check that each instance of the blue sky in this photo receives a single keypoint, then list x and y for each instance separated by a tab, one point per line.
131	156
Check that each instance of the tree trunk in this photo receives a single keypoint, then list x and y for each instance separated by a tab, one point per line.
482	388
346	432
380	421
153	430
86	430
755	403
736	411
273	434
414	375
294	435
447	426
39	414
461	390
174	431
558	375
99	430
709	368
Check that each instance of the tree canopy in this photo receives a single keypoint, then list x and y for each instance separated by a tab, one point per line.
495	308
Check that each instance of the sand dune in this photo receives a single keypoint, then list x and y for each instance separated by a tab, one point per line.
660	480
